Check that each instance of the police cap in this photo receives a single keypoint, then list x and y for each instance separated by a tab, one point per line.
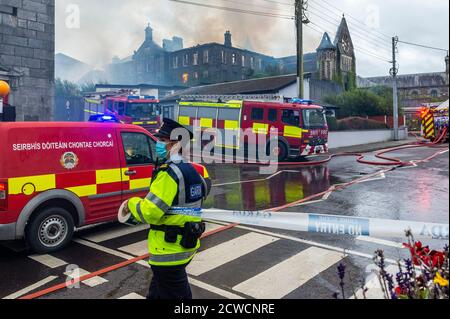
168	127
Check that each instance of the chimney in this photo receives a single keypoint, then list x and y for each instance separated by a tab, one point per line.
228	39
148	33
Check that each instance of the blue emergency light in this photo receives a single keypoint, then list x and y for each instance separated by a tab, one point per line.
103	118
301	101
142	97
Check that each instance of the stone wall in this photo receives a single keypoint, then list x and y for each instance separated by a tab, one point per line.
27	48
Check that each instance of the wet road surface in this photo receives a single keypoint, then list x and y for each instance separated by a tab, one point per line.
250	262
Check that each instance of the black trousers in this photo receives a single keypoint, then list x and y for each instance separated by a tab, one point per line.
169	283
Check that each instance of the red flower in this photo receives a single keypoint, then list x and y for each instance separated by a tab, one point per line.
423	255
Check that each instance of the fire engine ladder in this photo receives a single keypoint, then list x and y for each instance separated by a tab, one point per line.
227	98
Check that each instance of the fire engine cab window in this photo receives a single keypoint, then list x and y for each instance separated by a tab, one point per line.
258	114
291	117
314	118
121	108
273	115
110	106
137	149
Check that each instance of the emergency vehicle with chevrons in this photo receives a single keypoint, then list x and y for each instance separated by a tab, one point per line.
55	177
301	125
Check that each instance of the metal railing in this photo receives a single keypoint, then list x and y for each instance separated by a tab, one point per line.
227	98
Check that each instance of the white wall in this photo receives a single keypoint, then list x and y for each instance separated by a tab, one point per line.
291	91
352	138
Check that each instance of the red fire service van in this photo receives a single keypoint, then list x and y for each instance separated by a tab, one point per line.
302	127
128	109
55	177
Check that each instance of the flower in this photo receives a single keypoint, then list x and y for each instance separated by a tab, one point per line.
423	255
440	280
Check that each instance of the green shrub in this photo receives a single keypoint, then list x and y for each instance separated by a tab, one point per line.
332	123
358	123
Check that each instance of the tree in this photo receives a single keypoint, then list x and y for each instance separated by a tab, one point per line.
363	102
66	88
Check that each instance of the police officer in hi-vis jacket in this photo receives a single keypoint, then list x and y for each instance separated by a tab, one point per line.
173	239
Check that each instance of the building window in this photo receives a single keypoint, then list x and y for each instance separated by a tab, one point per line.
243	61
186	60
196	75
175	62
205	56
224	57
259	64
252	62
195	60
185	78
234	59
434	93
205	74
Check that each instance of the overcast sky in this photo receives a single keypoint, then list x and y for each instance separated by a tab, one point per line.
116	27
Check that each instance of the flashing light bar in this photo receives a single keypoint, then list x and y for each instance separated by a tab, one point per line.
301	101
103	118
141	97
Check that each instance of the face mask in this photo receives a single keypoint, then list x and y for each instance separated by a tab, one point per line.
161	149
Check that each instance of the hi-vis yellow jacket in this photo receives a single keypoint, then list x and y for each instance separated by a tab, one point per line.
175	185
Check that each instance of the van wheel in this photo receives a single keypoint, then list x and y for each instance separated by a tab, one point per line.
50	230
279	150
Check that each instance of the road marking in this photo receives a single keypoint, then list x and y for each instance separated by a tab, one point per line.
380	241
217	291
373	285
136	249
48	260
133	295
313	243
111	234
31	288
282	279
219	255
110	251
79	272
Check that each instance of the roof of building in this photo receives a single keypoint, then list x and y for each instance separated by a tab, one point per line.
137	86
408	80
253	86
326	43
198	46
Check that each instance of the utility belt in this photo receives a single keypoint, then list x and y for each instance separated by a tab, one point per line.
191	233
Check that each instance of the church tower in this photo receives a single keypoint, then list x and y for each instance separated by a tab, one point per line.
326	59
346	61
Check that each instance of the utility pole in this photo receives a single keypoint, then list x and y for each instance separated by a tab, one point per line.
394	72
299	20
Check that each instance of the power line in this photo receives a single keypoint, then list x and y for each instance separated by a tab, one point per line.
357	48
423	46
237	10
354	34
258	6
355	19
368	32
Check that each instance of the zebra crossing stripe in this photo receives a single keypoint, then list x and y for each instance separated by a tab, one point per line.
105	235
48	260
30	288
136	249
133	295
219	255
287	276
373	285
91	282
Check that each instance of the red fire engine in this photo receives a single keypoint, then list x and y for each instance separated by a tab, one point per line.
128	109
301	126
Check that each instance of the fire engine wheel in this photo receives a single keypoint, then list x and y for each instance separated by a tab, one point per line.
50	230
279	150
